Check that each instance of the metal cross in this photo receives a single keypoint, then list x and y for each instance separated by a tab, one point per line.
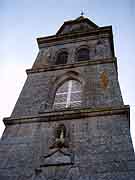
82	13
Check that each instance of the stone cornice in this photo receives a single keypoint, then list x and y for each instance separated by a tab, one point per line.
69	114
75	40
74	65
54	38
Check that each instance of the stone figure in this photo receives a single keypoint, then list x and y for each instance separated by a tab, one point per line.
60	137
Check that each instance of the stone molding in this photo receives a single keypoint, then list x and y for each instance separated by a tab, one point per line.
68	66
69	114
54	38
79	39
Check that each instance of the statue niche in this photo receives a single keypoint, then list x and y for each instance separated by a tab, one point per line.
60	137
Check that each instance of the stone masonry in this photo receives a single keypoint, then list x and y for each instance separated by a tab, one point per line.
88	142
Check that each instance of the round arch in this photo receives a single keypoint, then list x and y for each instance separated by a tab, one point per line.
82	53
61	56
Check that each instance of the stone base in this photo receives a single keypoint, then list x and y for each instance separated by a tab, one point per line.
99	146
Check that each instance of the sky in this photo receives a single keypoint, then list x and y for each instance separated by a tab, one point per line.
22	21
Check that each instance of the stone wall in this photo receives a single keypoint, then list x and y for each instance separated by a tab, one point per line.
100	48
100	87
98	147
88	142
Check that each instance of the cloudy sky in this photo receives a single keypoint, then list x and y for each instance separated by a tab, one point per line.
22	21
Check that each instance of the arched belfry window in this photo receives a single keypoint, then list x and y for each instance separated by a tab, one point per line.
83	54
62	58
68	95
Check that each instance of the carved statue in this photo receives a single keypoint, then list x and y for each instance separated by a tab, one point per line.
60	137
60	140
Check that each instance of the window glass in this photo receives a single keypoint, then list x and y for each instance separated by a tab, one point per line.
68	95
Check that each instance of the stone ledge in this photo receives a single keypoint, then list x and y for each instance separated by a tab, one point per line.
68	66
68	115
54	38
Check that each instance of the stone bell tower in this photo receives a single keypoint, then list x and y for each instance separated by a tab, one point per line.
70	122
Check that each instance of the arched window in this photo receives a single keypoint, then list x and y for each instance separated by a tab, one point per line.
68	95
83	54
62	58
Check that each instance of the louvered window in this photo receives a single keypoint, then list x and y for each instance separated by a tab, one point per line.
68	95
62	58
83	54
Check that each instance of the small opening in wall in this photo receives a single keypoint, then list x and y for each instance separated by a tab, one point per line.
62	58
83	54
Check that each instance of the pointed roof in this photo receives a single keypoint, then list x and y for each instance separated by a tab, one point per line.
80	24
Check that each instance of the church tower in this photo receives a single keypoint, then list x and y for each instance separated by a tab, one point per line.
70	122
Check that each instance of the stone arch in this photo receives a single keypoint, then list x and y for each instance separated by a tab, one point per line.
56	83
61	56
82	53
61	79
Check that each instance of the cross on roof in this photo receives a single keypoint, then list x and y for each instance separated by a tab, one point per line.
82	13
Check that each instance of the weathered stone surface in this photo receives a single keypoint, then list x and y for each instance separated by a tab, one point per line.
41	87
95	143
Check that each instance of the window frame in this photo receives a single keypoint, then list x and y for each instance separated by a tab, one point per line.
68	101
82	58
59	58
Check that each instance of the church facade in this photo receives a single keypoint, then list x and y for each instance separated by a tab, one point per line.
70	122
